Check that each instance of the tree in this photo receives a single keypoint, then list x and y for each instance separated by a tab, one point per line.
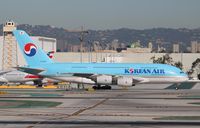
195	68
166	59
178	65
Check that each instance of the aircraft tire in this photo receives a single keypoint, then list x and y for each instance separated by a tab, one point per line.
94	87
106	87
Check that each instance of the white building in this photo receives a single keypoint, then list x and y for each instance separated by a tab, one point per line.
46	43
194	46
175	48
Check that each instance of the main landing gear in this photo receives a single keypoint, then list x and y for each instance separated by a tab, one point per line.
105	87
38	83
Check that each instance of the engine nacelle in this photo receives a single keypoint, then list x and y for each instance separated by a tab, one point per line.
104	79
110	80
125	81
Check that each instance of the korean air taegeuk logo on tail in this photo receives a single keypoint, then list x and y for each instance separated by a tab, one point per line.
30	49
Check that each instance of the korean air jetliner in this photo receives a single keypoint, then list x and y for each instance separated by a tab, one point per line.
122	74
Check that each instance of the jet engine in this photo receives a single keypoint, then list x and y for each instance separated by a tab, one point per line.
125	81
103	79
110	80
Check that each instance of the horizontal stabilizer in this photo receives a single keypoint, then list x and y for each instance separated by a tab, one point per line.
34	71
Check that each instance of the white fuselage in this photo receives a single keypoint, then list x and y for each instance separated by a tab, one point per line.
17	77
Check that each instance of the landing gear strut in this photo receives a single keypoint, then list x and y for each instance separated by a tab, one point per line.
177	86
38	83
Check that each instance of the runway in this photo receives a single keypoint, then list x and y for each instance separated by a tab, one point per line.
135	107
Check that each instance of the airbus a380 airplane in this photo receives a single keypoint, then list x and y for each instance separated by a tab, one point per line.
122	74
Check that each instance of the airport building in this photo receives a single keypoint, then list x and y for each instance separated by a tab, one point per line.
46	43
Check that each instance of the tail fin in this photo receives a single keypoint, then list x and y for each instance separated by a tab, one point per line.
32	53
50	54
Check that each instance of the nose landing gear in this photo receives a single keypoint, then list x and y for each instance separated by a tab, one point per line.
177	86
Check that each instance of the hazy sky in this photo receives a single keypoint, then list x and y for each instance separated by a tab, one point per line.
103	14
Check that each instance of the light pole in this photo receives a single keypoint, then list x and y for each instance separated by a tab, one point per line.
90	52
101	47
81	43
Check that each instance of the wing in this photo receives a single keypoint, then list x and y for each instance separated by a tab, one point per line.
87	78
34	71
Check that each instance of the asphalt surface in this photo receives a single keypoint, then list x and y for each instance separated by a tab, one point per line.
135	107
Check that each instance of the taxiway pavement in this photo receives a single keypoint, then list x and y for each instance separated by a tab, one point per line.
138	107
